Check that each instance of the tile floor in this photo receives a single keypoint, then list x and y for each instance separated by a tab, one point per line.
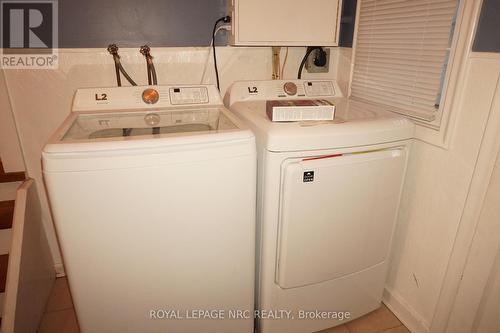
60	317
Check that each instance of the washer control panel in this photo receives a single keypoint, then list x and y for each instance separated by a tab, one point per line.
188	95
145	97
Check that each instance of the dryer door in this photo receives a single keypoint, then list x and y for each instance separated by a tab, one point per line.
337	214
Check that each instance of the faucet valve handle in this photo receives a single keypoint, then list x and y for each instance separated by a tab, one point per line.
113	49
145	50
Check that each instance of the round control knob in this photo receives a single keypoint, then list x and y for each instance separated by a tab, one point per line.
150	96
152	119
290	88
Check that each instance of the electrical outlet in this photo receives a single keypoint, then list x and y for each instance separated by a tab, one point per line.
312	68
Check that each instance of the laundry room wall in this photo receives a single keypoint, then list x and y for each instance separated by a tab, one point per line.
41	99
433	202
10	149
437	195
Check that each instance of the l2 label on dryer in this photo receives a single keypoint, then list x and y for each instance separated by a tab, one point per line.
308	176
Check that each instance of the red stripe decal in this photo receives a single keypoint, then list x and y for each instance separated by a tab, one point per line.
321	157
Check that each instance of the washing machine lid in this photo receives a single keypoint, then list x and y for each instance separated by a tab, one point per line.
133	130
124	119
355	124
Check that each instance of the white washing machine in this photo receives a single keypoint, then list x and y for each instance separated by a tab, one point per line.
328	196
152	190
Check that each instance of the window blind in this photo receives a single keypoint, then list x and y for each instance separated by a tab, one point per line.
400	52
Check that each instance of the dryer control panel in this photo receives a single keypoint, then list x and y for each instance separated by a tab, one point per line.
281	89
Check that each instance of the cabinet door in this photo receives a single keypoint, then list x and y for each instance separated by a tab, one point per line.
337	215
286	22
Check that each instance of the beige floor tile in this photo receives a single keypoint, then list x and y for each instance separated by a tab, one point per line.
63	321
376	321
60	317
60	298
399	329
336	329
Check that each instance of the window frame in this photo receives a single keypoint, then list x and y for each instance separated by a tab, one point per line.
437	132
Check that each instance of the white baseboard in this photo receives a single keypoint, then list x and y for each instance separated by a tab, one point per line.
405	313
59	268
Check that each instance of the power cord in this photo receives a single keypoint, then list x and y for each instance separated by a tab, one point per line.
320	60
226	27
225	19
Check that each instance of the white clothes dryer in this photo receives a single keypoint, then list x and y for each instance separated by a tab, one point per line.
328	197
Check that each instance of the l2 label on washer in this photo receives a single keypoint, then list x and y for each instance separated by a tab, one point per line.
308	176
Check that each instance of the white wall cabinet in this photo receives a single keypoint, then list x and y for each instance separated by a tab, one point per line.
285	22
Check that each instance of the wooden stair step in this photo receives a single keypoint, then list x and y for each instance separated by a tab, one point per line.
6	214
12	177
7	177
4	262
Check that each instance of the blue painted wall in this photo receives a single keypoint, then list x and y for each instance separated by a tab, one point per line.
131	23
488	30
